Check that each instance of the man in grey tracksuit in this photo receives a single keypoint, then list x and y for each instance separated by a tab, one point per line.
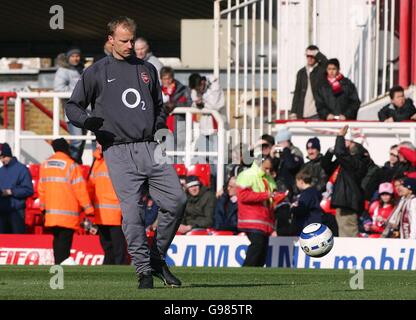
126	99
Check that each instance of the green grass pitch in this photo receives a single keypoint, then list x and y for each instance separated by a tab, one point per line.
119	282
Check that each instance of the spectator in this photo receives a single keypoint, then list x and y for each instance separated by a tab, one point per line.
407	159
240	160
403	218
107	211
208	95
308	80
63	195
142	49
337	98
200	207
348	196
266	143
66	77
290	161
255	191
107	49
225	214
399	109
307	209
314	166
390	167
15	187
175	94
380	210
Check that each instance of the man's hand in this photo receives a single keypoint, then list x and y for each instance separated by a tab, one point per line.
93	123
184	228
293	116
330	117
413	117
6	193
343	131
342	117
392	120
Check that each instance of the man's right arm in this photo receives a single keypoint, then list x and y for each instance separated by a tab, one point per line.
84	94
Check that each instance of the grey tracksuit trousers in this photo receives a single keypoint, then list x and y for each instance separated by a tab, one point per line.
133	169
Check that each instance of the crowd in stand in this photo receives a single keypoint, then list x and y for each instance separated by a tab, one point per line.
273	193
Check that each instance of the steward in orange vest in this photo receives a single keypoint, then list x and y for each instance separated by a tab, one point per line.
63	196
107	211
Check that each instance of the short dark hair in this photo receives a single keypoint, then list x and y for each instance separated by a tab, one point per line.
394	146
312	47
167	71
394	90
305	175
194	80
127	22
268	138
333	61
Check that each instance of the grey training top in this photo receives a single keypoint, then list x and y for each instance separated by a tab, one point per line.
126	94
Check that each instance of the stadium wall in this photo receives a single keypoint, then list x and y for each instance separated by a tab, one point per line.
226	251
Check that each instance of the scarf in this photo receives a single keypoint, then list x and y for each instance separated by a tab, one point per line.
169	91
335	84
395	218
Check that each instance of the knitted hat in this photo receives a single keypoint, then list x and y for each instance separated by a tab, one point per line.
72	51
313	143
283	135
385	187
5	150
410	184
192	181
60	145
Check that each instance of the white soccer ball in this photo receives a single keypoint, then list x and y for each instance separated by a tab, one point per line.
316	240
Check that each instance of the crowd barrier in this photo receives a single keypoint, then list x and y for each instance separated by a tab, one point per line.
225	251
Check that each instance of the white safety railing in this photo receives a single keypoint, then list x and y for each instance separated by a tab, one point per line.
19	136
187	154
266	41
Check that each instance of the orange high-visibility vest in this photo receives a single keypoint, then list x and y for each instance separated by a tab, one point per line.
63	192
106	205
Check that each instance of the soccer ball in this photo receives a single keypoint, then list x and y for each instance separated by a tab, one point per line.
316	240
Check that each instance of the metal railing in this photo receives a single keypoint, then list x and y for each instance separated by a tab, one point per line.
188	153
266	40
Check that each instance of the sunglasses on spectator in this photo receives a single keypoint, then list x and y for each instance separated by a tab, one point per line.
310	56
394	155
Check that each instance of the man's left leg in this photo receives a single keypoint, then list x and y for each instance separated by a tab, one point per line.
166	190
17	221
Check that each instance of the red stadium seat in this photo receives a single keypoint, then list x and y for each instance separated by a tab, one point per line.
180	169
202	171
221	233
198	232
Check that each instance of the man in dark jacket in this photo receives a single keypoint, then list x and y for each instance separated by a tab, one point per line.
15	187
400	108
348	196
290	161
225	214
199	209
314	166
337	97
308	80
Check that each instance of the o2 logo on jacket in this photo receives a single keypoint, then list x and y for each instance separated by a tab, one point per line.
137	102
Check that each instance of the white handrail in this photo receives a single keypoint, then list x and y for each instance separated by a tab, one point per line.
189	153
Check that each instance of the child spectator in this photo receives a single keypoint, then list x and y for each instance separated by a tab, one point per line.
307	209
380	210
